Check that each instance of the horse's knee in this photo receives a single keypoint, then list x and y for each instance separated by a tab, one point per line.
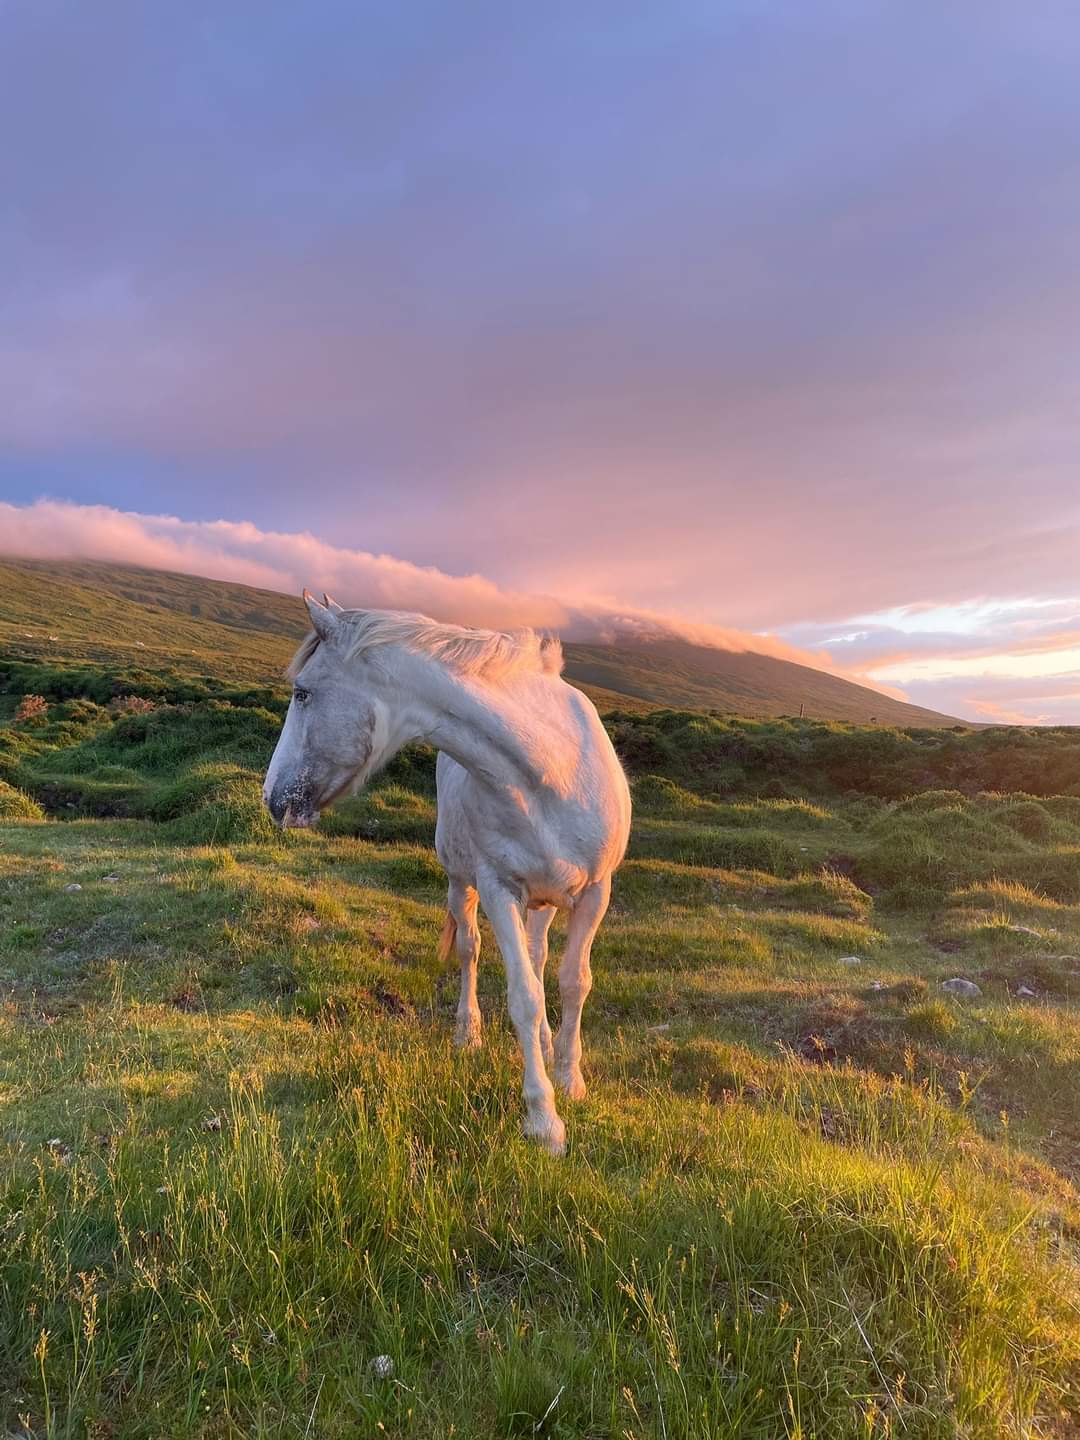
575	982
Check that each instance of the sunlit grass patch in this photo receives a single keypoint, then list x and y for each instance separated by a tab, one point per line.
685	1253
817	932
1010	894
17	805
717	848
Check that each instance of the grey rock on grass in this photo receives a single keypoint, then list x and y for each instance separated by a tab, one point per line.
957	986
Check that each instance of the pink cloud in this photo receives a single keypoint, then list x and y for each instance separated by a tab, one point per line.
241	552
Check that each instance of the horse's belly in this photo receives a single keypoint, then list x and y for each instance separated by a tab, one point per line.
559	887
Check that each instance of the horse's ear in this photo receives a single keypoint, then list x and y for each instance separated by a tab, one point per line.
331	603
323	619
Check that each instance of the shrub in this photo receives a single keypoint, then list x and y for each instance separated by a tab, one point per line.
16	805
1027	818
131	705
927	800
32	710
661	794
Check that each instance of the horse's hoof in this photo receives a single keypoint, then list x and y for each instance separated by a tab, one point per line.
468	1037
551	1133
572	1085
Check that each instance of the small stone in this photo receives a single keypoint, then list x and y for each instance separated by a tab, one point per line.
658	1029
72	888
1024	930
212	1123
110	879
1026	991
382	1367
877	984
850	960
957	986
62	1152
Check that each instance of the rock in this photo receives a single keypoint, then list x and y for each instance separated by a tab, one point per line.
658	1029
62	1152
1023	930
212	1123
877	984
956	986
382	1367
1025	991
850	960
70	889
110	879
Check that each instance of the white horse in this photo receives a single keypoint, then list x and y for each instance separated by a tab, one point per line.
534	809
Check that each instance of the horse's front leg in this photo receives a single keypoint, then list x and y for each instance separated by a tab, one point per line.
575	982
525	996
537	925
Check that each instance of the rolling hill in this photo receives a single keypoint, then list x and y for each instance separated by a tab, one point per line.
82	612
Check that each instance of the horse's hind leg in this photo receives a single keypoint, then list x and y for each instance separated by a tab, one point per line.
575	982
537	925
462	902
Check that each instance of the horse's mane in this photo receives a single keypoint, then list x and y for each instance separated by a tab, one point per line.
491	653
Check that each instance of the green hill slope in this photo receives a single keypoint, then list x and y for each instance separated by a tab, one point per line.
86	613
681	676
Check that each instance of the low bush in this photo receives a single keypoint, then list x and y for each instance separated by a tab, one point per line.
16	805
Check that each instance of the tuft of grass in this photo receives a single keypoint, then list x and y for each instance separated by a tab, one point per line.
15	805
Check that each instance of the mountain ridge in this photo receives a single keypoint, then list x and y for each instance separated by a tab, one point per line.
84	611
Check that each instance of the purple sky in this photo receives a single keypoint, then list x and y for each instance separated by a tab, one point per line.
764	316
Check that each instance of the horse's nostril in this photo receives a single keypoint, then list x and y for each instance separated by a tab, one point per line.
276	803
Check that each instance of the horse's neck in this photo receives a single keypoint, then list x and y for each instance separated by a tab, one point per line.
468	723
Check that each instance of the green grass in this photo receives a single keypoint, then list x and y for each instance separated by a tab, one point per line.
810	1193
241	1159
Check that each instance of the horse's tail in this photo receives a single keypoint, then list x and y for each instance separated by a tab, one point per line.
447	938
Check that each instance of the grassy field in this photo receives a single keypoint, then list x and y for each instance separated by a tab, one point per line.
811	1192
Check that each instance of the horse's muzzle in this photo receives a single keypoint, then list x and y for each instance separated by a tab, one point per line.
291	803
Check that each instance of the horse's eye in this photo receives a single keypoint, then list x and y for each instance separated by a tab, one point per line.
301	695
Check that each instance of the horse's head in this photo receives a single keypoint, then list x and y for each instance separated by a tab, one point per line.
336	730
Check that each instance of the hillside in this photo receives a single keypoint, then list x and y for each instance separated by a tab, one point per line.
677	675
83	612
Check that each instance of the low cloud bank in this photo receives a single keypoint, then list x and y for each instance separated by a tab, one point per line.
241	552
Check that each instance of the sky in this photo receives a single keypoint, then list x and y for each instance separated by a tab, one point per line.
745	319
